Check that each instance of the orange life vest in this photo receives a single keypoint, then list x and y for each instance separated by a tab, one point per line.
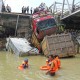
55	68
58	62
20	67
24	64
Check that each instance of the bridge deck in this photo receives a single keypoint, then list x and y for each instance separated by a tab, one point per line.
74	14
10	19
14	14
72	20
12	22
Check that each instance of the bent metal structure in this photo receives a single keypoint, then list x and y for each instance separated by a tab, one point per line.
0	5
69	13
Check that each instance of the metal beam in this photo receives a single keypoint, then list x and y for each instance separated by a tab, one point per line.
62	8
69	7
73	6
54	7
17	25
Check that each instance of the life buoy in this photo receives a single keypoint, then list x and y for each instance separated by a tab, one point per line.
20	67
45	67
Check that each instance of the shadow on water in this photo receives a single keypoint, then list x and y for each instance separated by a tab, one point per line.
69	57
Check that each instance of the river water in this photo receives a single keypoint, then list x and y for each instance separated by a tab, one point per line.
70	68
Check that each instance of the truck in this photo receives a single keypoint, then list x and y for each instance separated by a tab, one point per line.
45	30
43	23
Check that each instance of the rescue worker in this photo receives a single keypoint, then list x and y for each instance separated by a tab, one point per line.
58	61
48	64
53	66
25	63
48	61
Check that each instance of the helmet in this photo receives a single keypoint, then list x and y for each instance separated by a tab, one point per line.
25	60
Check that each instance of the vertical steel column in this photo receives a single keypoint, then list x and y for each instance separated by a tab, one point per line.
2	2
54	8
69	7
2	5
73	6
17	25
62	8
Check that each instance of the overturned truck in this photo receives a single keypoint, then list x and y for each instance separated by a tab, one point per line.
46	37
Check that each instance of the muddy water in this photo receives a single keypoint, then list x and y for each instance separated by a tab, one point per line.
9	62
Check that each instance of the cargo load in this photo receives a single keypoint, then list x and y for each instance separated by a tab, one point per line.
58	44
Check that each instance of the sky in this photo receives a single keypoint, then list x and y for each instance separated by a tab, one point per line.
16	5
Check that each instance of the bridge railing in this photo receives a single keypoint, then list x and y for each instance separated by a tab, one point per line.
75	8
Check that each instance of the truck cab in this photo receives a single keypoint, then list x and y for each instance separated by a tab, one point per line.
43	23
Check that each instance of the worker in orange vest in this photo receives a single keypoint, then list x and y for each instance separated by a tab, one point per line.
24	65
48	61
57	60
48	64
53	66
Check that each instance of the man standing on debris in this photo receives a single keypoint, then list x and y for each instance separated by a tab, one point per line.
8	8
3	8
23	9
31	10
27	9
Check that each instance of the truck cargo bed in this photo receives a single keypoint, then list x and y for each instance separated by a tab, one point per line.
59	44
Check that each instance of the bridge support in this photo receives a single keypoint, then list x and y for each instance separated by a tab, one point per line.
17	25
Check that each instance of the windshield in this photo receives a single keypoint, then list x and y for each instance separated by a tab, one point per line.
46	24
